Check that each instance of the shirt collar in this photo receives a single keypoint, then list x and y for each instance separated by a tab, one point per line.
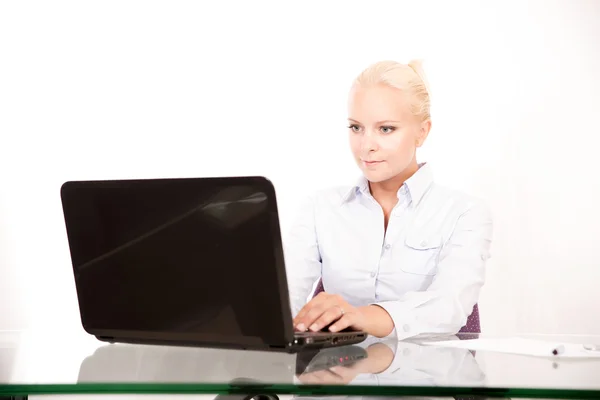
414	187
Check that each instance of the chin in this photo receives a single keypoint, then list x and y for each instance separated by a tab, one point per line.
376	177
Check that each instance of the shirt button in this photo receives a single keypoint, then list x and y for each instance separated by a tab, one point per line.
424	243
388	246
373	274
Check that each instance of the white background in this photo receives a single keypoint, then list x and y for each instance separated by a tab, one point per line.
124	89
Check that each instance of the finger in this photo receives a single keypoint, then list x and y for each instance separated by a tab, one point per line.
302	313
330	315
344	322
305	308
322	376
315	312
338	370
326	302
318	299
309	378
311	316
327	376
345	374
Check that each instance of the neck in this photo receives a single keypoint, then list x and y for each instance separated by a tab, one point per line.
387	191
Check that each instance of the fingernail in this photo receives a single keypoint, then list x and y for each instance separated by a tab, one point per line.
333	328
301	327
314	327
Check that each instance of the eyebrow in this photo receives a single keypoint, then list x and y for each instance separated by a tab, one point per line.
378	123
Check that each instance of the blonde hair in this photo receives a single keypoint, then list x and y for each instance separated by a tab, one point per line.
410	78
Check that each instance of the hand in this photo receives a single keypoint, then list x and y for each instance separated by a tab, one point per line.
325	309
332	376
379	358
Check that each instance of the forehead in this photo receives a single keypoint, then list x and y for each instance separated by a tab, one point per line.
379	102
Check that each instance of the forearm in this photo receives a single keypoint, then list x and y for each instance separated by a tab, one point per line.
380	356
379	322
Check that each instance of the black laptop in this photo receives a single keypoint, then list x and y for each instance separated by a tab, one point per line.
186	261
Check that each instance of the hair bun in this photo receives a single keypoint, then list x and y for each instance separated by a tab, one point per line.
417	66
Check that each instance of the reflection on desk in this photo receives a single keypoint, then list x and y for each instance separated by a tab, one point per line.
44	365
393	363
388	363
153	364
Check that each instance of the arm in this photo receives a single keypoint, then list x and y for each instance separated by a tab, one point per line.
444	307
302	256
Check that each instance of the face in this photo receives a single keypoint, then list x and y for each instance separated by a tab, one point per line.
384	135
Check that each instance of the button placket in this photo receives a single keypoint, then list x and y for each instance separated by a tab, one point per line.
373	202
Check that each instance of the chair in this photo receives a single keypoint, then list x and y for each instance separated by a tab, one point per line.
472	326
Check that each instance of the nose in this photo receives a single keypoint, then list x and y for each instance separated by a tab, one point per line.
369	142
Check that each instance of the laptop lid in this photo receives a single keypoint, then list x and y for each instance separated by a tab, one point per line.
196	260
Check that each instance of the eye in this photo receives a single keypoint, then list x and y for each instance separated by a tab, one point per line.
354	128
387	129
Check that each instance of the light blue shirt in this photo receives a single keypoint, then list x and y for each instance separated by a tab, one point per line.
426	271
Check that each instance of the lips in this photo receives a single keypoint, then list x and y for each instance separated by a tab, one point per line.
371	163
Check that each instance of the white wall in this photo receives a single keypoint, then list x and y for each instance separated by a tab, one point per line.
121	89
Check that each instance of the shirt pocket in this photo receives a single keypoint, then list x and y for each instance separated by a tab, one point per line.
421	251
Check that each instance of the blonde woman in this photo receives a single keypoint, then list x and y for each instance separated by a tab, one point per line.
396	253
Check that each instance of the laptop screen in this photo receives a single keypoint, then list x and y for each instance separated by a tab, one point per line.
176	257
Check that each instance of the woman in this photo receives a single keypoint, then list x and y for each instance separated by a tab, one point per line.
397	253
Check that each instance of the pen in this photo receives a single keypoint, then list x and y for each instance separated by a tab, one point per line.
591	347
558	350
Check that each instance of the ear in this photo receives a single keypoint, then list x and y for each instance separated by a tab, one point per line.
423	132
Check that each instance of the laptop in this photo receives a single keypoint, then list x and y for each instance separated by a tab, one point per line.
184	261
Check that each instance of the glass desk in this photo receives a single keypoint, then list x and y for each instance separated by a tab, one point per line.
34	364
